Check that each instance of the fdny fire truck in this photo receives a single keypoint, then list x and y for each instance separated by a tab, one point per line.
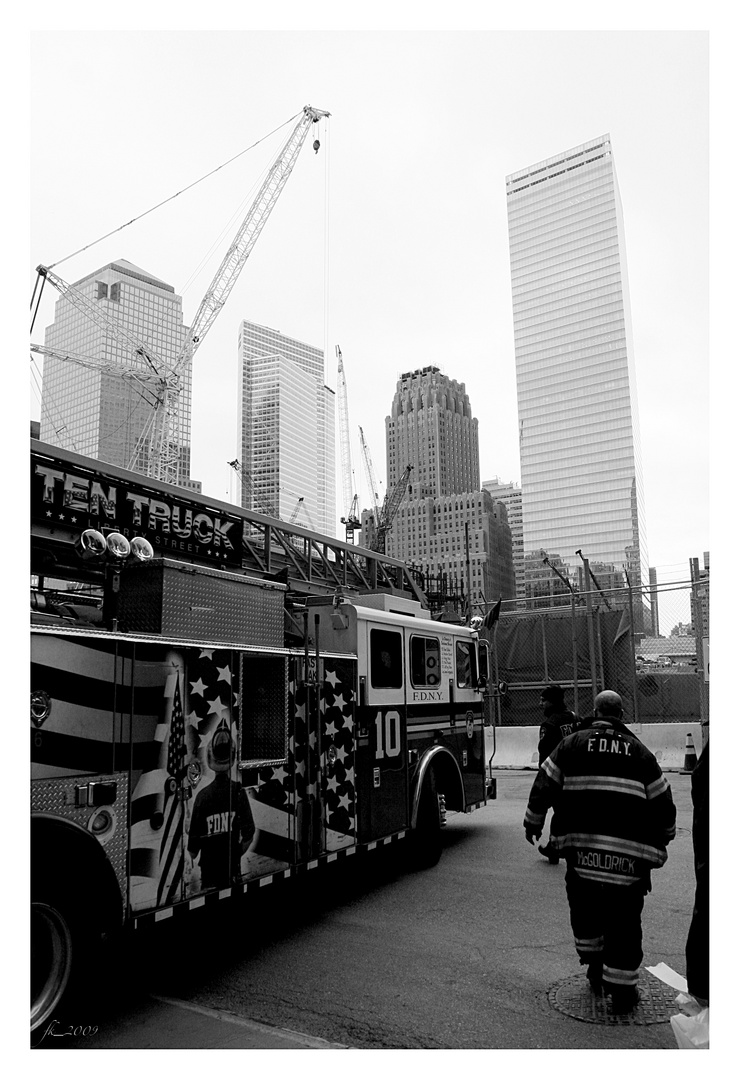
220	700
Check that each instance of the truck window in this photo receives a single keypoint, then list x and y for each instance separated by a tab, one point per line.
425	665
386	659
464	663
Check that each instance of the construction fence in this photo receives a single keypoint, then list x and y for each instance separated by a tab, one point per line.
603	640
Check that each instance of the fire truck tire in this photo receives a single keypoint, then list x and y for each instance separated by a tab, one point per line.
427	839
59	945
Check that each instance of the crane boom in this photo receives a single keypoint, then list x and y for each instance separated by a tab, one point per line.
349	497
157	446
245	478
370	474
233	262
391	504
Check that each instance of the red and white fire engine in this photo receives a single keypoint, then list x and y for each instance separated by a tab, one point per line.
220	700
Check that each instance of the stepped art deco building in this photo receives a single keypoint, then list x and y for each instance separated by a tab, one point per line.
579	440
102	415
432	428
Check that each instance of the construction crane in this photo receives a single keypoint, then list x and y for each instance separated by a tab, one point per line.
385	514
264	506
296	510
158	445
350	520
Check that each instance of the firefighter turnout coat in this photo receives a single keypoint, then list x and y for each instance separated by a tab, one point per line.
613	809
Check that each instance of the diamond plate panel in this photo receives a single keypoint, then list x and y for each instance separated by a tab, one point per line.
575	998
178	599
58	797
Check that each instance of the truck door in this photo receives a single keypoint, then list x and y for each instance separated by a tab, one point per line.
382	753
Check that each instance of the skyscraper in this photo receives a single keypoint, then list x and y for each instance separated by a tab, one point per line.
579	439
285	426
446	525
511	496
103	415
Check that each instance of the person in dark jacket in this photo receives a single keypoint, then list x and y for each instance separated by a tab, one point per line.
557	723
697	943
613	819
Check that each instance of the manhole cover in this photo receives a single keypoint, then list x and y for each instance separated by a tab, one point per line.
575	998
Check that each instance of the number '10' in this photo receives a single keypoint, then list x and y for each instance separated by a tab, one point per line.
387	734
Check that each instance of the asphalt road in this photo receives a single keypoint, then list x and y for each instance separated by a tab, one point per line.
368	955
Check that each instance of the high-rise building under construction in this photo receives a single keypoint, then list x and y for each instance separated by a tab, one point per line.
579	440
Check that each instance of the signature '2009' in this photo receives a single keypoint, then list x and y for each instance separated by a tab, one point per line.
69	1029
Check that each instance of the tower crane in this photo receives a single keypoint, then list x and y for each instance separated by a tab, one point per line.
244	476
385	514
350	520
159	440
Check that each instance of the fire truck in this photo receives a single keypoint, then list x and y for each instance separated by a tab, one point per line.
221	700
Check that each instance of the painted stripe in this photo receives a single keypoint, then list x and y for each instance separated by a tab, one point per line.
166	913
616	784
198	902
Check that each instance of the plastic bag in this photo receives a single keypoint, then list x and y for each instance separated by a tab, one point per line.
691	1032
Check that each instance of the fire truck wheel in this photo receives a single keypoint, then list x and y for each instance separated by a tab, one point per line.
428	833
57	945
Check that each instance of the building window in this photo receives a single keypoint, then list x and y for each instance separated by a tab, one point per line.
102	290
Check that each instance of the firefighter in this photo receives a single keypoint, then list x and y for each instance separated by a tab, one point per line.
613	818
558	722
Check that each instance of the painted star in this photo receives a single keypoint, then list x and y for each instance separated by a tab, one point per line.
344	800
193	720
279	774
341	754
197	687
224	674
332	784
217	706
348	722
331	728
207	654
339	701
331	678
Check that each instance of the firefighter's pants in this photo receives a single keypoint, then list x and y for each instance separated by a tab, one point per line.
607	927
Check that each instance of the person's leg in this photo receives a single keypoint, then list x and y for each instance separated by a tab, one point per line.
623	906
587	924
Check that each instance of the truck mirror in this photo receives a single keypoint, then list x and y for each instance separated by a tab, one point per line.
483	665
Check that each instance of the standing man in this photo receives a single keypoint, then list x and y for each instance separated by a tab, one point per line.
558	722
614	816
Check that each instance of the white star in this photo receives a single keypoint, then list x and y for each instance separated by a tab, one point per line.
300	767
197	687
224	674
348	722
341	754
344	801
207	653
279	774
331	678
192	719
331	728
332	783
312	739
339	701
349	776
217	706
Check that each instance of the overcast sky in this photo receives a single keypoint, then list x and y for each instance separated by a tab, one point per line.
392	241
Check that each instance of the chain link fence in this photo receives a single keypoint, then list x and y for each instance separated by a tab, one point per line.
649	648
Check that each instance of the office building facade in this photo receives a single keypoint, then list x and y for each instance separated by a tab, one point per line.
510	495
286	429
445	525
579	439
103	415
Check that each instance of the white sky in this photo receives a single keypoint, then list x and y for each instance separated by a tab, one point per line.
425	127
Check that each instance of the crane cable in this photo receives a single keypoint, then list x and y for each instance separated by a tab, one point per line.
171	197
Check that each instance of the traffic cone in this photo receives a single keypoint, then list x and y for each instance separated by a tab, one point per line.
689	760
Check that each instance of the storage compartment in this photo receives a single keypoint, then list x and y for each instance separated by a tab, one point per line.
181	600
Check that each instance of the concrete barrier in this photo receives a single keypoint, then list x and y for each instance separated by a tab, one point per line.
516	747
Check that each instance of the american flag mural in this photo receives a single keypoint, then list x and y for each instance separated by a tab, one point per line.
338	754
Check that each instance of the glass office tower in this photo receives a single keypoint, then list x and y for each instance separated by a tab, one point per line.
285	427
579	438
103	415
